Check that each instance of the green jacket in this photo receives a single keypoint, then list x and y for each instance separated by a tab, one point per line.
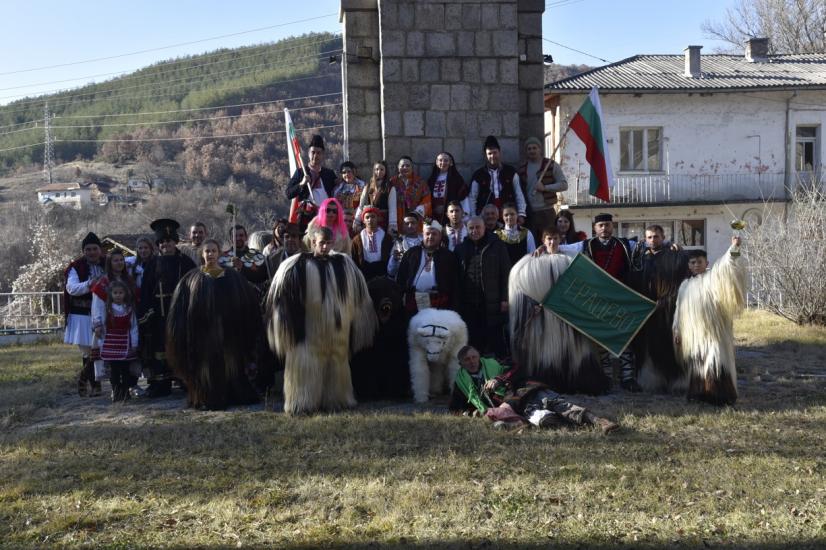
490	369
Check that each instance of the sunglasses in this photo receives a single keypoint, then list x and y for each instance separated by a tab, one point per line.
332	211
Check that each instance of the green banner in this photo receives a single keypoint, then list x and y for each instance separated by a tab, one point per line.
597	305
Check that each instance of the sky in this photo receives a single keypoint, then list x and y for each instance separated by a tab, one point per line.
39	34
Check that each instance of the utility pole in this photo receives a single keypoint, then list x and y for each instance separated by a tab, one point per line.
48	148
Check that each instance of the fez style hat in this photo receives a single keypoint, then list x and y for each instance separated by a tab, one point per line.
603	218
91	238
491	143
317	141
165	228
370	210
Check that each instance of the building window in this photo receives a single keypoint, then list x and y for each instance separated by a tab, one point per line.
641	149
74	194
687	233
806	149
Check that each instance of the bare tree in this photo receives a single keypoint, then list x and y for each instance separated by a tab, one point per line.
787	254
792	26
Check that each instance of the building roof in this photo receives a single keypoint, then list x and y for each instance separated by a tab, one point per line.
719	72
71	186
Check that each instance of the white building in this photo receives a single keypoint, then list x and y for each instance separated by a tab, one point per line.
71	195
696	140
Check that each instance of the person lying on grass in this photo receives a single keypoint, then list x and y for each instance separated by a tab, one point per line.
484	387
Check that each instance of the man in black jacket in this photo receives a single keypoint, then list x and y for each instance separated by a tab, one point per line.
484	266
428	274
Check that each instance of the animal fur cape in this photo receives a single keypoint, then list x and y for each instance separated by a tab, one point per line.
704	320
318	312
381	370
657	365
546	347
211	333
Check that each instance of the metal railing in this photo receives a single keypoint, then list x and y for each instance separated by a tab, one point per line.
683	188
31	312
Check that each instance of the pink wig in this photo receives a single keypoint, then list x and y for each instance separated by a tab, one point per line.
339	229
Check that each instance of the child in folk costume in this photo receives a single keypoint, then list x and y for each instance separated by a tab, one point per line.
117	331
704	326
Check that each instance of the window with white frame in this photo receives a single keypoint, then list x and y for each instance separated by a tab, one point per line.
641	149
806	149
686	233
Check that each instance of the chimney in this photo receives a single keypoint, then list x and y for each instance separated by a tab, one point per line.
757	50
692	62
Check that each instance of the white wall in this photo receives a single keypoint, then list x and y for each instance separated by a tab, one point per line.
703	133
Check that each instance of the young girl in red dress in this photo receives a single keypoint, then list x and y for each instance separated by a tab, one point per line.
118	333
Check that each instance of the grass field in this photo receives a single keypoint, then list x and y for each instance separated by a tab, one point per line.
83	473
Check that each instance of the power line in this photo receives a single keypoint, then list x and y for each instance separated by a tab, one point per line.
171	111
217	108
186	80
168	94
203	108
185	121
225	57
161	122
575	50
189	138
167	47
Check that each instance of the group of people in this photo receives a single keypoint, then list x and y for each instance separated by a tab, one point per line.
219	322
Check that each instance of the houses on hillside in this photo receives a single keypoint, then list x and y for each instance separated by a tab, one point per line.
71	195
696	140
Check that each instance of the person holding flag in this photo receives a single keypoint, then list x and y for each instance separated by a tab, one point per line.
309	188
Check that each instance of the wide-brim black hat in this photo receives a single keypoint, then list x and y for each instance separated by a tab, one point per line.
91	238
317	141
165	228
491	143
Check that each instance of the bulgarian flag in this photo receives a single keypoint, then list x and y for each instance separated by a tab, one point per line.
294	156
587	124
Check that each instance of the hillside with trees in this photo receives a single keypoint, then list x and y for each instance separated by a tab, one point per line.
183	110
209	127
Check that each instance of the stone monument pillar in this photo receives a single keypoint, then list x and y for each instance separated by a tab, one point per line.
422	76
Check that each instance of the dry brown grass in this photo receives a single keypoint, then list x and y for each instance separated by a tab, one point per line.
83	473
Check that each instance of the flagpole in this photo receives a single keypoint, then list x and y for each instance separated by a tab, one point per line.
553	154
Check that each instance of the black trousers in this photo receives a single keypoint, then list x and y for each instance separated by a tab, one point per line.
120	378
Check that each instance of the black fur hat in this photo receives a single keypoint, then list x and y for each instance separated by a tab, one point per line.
165	228
491	143
317	141
91	238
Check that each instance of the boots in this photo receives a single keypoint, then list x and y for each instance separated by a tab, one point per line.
605	425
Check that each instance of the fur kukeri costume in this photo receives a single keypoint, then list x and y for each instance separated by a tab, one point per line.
704	319
659	279
547	348
211	332
318	312
381	371
434	337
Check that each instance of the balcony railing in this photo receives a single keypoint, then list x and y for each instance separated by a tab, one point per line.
683	188
31	312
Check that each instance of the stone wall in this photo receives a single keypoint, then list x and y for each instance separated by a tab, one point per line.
444	74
